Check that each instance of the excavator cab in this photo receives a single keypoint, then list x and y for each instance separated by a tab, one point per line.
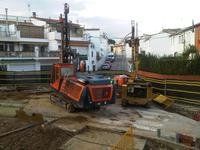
60	71
136	93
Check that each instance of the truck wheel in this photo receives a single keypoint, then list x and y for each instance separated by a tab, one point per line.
70	108
97	108
124	103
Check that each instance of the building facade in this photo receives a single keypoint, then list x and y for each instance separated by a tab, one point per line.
29	43
171	41
21	40
182	39
98	49
158	44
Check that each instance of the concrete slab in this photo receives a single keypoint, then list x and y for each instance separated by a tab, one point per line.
98	140
148	120
169	123
72	124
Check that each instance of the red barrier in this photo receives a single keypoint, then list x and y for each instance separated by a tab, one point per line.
169	77
197	116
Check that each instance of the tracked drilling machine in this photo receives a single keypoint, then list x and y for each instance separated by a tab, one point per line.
73	89
135	91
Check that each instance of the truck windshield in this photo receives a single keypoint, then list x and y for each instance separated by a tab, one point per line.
67	72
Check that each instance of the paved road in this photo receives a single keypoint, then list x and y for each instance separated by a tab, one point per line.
120	63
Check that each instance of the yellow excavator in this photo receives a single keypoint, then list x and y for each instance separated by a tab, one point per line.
136	91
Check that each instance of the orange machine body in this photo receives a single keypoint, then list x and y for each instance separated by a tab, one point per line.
121	79
82	91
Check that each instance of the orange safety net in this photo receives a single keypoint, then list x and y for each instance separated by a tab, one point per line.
172	77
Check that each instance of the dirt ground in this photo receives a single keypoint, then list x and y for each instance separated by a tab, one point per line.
36	138
14	95
112	117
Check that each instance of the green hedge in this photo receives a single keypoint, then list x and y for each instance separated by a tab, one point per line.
175	65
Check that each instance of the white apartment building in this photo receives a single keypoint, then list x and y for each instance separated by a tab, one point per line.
182	39
158	44
28	43
99	48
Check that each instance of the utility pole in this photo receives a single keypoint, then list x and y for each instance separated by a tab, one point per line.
67	54
66	50
135	47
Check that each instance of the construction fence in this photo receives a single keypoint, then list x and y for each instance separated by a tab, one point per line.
183	88
10	78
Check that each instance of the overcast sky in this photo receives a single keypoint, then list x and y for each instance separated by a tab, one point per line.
114	16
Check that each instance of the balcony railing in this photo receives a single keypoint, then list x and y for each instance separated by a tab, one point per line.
19	54
15	18
7	34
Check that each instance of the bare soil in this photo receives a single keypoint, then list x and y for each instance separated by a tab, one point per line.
37	138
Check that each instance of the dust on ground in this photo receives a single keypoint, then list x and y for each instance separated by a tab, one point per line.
47	137
14	95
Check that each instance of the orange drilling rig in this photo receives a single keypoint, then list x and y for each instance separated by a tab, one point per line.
73	89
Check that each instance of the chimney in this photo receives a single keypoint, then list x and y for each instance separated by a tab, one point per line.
34	14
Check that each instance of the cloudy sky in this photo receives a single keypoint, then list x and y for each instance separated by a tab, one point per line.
114	16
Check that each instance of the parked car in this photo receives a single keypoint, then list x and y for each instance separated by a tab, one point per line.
108	62
106	66
111	57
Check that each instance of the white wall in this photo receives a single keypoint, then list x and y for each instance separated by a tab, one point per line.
23	66
158	44
180	41
38	22
128	51
53	45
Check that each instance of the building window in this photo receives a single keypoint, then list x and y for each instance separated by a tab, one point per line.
98	56
92	53
11	46
181	39
92	45
2	47
28	48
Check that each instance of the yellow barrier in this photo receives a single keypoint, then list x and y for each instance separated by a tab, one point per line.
126	142
179	92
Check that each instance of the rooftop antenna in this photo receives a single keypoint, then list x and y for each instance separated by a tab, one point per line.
193	25
29	10
136	28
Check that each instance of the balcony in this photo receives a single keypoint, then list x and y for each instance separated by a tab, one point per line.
8	36
17	54
28	55
73	37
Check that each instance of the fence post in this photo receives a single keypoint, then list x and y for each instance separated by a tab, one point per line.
14	80
165	88
159	133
